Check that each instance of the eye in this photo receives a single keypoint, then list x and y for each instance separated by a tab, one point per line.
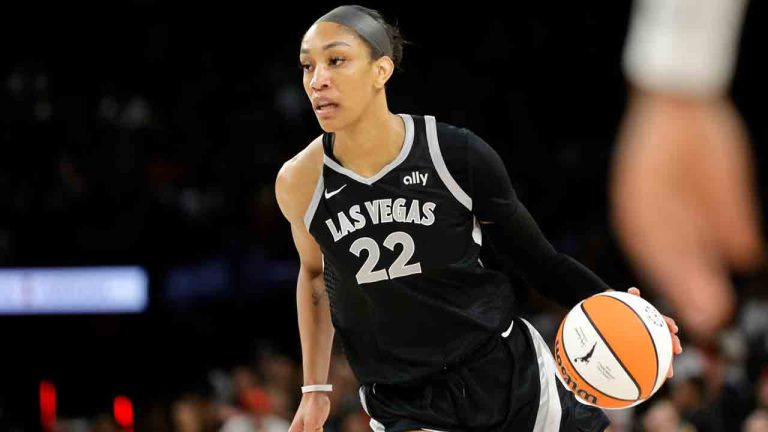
334	61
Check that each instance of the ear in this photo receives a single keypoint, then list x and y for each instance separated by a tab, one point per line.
384	68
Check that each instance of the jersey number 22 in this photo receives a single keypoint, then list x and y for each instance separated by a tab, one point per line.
399	268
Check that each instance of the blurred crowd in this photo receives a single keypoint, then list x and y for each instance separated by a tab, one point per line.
157	144
720	388
257	397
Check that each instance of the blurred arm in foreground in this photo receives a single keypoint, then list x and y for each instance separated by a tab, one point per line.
682	190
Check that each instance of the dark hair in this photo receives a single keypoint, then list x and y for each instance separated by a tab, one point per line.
392	32
395	35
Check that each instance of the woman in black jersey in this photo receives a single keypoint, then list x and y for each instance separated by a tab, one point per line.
386	213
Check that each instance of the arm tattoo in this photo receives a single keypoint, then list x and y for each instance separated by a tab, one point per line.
318	296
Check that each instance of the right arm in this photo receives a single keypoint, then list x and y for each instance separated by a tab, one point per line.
315	327
316	330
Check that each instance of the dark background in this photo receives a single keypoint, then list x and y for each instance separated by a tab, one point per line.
150	133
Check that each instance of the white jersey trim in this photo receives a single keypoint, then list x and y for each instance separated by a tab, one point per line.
310	213
508	330
477	234
442	169
550	411
404	151
374	424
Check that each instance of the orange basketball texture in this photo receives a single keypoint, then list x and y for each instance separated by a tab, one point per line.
631	350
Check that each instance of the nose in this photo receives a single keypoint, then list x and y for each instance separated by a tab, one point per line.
320	79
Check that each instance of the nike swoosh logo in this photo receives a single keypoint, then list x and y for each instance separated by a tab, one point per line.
509	330
330	194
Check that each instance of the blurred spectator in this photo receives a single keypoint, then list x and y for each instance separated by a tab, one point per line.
194	413
356	422
256	417
756	422
105	423
663	417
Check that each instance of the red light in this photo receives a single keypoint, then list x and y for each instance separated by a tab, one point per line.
123	410
47	405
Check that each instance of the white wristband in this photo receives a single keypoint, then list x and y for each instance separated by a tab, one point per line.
316	387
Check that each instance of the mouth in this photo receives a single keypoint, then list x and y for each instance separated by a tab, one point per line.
325	110
324	107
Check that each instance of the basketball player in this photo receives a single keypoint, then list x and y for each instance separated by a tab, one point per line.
386	213
683	189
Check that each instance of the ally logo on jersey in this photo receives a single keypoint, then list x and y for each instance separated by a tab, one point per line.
415	177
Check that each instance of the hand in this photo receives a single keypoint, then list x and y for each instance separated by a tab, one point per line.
683	204
312	413
677	348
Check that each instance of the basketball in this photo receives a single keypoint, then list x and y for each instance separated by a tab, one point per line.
613	350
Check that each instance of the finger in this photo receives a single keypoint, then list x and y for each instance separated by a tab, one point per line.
296	426
677	346
634	291
672	324
313	424
671	372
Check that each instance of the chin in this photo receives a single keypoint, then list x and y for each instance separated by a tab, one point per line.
330	125
327	127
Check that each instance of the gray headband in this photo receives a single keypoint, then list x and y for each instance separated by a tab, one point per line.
364	25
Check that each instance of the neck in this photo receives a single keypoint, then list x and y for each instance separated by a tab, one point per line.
372	142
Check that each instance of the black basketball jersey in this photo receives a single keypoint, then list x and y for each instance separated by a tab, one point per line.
407	290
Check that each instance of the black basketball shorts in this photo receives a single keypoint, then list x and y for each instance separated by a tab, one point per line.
508	385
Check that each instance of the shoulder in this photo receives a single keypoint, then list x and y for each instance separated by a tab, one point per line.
468	159
449	156
451	136
458	145
456	141
296	181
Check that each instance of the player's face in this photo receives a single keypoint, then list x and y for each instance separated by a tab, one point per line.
338	74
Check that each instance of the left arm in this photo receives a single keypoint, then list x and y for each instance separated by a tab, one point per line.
517	235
